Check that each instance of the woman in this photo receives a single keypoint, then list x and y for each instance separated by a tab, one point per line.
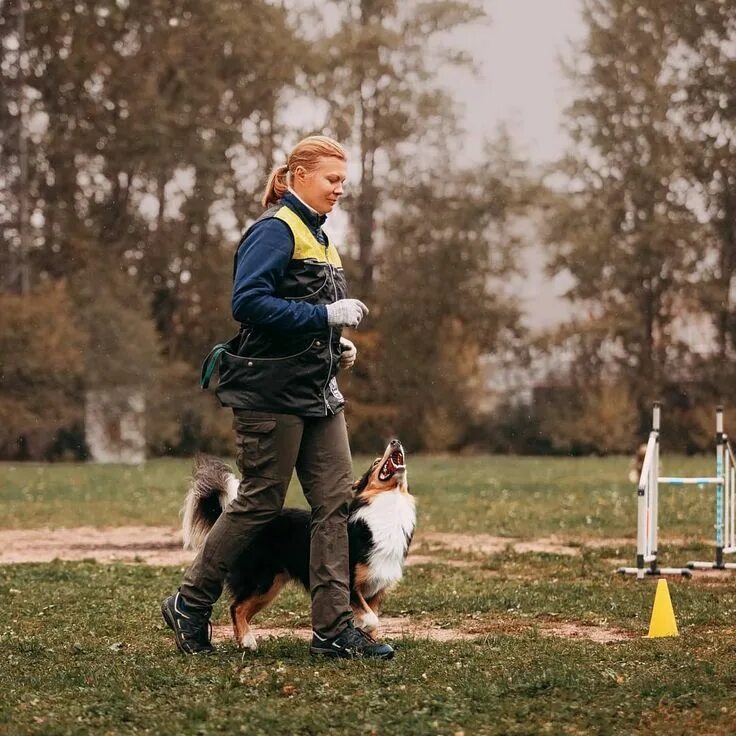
279	377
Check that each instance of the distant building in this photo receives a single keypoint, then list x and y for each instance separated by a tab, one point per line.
114	426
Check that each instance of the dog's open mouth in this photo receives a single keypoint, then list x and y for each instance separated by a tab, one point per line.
393	464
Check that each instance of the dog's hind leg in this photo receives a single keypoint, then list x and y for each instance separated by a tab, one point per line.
242	612
241	632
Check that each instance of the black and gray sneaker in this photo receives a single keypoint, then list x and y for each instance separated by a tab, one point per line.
351	643
191	628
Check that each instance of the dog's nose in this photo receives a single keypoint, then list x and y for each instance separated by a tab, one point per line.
395	443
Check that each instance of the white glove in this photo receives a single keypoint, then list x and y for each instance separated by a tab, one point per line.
348	354
346	313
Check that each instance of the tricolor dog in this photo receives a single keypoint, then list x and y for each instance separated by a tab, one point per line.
380	528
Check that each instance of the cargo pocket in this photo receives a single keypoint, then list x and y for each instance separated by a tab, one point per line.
256	447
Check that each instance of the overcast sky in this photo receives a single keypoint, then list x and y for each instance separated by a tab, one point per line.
521	83
520	80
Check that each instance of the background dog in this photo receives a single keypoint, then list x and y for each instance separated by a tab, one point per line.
381	524
637	463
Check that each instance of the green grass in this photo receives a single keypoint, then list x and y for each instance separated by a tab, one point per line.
83	649
528	497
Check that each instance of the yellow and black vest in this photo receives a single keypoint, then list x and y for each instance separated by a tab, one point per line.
285	371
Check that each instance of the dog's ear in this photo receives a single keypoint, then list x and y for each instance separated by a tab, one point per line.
362	482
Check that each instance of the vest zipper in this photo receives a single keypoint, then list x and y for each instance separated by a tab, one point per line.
329	345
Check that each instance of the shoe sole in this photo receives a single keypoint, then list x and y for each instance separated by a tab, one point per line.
169	621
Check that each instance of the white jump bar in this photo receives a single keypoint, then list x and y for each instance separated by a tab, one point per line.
690	481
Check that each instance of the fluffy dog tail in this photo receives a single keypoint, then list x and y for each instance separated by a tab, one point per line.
212	488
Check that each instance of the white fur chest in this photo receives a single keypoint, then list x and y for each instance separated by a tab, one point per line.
391	517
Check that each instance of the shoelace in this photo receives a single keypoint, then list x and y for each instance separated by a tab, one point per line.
358	638
365	635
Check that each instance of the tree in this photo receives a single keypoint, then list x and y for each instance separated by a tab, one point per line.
41	369
623	227
706	116
443	301
139	125
378	71
141	120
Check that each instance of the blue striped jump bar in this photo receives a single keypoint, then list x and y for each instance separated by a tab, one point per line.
690	481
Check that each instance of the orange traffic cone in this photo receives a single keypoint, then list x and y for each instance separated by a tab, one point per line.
663	616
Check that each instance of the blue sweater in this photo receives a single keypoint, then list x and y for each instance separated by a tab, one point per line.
262	259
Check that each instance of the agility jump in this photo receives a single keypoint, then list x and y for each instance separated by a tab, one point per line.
648	498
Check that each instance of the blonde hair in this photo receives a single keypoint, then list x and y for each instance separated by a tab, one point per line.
306	153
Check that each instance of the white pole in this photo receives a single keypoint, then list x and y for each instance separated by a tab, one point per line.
719	488
726	491
654	488
727	488
642	519
732	494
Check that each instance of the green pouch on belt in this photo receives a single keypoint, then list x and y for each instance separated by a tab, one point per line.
213	358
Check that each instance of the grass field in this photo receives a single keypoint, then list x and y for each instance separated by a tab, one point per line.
84	649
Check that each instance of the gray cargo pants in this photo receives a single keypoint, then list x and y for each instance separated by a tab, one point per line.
269	447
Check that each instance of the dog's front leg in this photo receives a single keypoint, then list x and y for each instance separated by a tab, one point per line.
374	602
365	617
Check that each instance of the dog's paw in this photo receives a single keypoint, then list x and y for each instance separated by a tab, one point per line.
369	622
249	642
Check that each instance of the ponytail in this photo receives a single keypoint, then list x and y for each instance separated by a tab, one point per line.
306	153
277	185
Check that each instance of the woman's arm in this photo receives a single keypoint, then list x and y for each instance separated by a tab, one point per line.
262	260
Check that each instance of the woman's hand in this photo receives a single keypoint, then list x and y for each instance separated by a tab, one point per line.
346	313
348	354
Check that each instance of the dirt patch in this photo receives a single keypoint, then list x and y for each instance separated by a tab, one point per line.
391	628
148	545
599	634
430	560
132	544
489	545
398	627
163	546
612	542
713	577
568	546
562	629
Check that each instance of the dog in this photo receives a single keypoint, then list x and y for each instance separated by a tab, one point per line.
381	521
637	463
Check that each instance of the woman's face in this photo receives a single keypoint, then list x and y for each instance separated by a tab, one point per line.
321	186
